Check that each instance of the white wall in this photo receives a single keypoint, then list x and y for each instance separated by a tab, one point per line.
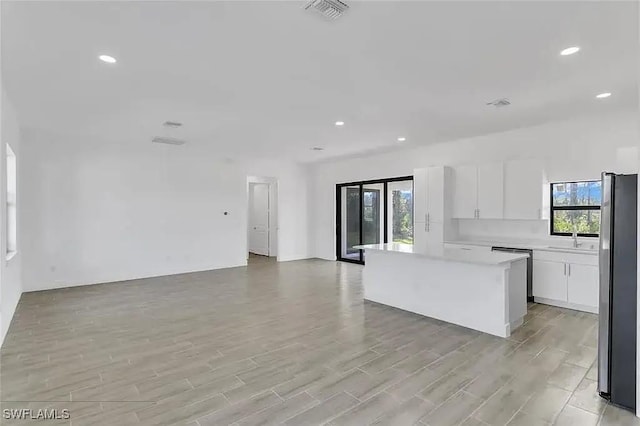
571	150
10	271
99	214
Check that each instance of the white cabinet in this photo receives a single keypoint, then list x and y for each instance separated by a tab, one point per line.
435	194
491	191
420	195
583	284
523	189
550	280
478	191
431	205
567	280
465	192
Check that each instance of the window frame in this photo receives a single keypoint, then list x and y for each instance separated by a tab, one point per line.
553	209
385	211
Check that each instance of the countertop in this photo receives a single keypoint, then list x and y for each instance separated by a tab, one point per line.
442	253
531	245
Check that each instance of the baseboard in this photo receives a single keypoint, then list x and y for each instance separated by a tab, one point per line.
58	286
566	305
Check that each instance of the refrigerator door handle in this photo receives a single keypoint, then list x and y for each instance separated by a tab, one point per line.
606	232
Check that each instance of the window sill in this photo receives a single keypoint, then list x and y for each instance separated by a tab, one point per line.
11	255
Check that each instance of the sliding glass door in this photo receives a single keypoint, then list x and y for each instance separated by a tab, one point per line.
373	212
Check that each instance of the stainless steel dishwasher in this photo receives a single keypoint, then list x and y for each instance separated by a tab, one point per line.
529	266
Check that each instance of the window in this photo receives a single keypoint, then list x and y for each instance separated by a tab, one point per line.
12	186
575	206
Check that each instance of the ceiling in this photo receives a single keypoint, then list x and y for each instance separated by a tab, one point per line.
267	78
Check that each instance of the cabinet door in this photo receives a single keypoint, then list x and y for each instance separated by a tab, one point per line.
435	194
435	234
550	280
583	285
420	236
465	192
420	195
491	191
523	184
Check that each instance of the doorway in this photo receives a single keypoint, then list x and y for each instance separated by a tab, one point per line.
373	212
259	219
262	218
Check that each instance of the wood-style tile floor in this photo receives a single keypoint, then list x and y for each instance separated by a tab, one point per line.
289	343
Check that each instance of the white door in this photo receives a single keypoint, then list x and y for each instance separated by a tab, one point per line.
259	218
465	192
490	191
584	286
550	280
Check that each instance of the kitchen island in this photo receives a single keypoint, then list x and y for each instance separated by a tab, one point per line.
485	291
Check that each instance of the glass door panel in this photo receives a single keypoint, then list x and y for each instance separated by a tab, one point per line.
350	222
373	213
400	212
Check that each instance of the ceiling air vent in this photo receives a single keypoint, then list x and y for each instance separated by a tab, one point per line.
168	141
499	103
332	9
172	124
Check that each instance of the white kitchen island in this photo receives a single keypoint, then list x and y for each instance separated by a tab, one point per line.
485	291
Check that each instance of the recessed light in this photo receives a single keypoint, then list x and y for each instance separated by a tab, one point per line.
108	59
339	123
402	139
570	51
603	95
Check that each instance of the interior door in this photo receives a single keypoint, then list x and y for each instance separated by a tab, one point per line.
259	219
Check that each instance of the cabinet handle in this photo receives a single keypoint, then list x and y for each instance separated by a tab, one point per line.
565	269
426	217
569	265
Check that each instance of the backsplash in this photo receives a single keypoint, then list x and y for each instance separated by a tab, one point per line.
498	228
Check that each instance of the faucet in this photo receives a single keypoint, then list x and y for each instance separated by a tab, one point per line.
576	244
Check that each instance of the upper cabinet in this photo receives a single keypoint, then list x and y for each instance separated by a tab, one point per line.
510	190
490	191
478	191
465	192
523	188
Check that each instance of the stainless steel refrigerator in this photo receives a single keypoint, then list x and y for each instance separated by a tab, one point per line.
618	290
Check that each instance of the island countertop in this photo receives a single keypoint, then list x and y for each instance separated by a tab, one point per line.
440	252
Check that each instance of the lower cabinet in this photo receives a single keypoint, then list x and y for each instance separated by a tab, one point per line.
566	280
550	280
583	285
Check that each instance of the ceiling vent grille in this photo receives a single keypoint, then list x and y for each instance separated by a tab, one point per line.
499	103
168	141
172	124
332	9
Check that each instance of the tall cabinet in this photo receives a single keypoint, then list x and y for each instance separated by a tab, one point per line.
432	206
